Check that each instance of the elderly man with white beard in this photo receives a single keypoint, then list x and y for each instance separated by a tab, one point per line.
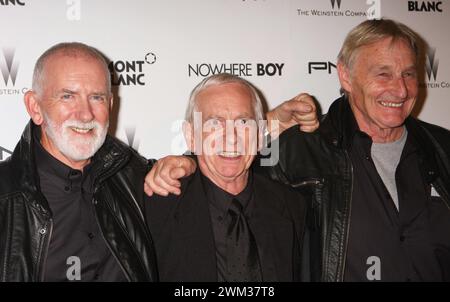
71	195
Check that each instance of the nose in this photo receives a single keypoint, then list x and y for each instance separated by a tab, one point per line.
400	88
84	112
230	136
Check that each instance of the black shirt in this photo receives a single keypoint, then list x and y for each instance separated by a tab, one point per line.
219	202
412	244
77	251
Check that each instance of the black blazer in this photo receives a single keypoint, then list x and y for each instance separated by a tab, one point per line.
183	236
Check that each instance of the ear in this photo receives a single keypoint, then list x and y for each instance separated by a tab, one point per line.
344	77
188	132
32	104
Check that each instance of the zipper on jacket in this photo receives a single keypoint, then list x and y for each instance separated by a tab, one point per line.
42	262
344	260
5	255
308	182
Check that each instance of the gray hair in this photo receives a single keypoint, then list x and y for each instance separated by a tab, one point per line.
218	79
71	49
371	31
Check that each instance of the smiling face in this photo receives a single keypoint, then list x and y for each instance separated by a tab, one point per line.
382	86
229	134
72	108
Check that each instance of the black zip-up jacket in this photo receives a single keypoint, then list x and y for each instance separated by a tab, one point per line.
318	165
26	219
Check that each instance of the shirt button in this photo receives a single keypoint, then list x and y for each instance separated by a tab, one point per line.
402	238
91	236
96	276
67	188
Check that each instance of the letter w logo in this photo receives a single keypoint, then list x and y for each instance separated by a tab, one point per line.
432	64
8	66
333	2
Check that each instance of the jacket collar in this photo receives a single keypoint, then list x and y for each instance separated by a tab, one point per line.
339	124
106	162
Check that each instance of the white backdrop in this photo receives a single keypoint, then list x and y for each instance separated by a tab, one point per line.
282	46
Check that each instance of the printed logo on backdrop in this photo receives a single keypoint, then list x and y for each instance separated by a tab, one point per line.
425	6
238	69
339	8
12	2
432	68
4	153
132	141
9	67
131	72
321	66
337	2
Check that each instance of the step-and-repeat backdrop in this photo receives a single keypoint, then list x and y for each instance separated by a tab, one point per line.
160	49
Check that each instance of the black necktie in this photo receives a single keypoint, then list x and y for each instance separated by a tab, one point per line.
242	252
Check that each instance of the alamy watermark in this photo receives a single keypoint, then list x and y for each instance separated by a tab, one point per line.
374	10
229	138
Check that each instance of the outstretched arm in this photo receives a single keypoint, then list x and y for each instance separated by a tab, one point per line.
165	174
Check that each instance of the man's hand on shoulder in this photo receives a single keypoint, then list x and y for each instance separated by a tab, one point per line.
165	174
301	110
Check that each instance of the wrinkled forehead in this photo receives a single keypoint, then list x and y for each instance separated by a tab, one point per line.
386	51
226	97
71	60
60	67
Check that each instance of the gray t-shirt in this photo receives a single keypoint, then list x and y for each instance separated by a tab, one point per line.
386	157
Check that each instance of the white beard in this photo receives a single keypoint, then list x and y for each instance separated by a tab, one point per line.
75	147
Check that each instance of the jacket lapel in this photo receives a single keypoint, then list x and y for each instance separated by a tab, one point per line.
274	233
195	232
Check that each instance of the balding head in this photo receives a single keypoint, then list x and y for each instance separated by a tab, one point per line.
69	49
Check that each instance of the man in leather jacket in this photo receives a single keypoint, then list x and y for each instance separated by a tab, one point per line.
71	195
378	179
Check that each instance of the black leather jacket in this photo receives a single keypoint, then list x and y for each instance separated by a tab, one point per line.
26	219
318	165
